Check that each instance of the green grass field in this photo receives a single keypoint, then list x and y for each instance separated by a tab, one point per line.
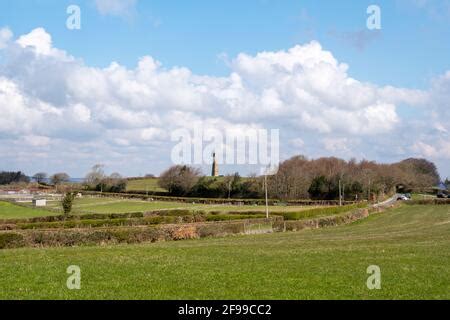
12	211
144	184
410	244
151	184
114	205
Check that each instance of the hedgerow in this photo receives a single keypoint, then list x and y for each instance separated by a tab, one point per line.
227	217
11	240
327	211
429	202
271	202
145	229
74	218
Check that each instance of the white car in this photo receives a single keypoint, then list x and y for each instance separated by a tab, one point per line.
402	197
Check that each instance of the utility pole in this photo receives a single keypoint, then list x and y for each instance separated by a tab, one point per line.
229	190
267	199
368	195
340	196
343	192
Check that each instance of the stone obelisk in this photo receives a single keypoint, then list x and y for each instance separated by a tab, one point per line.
215	167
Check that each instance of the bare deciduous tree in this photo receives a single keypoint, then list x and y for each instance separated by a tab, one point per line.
40	177
59	178
179	180
358	179
95	176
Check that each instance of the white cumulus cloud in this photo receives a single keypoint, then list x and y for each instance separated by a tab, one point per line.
126	115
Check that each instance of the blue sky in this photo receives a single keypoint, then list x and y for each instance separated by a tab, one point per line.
410	52
195	33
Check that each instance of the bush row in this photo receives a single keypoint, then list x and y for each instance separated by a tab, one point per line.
109	221
227	217
272	202
74	218
322	222
326	211
79	237
181	213
129	235
429	202
101	216
80	224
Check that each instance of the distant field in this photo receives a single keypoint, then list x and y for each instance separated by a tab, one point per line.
144	184
12	211
411	245
151	184
113	205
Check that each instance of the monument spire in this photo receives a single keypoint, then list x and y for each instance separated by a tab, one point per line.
215	167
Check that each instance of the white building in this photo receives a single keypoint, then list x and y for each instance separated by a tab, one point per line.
39	202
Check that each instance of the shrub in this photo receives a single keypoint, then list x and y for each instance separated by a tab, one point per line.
67	203
227	217
71	224
328	211
184	232
300	225
429	202
220	229
11	240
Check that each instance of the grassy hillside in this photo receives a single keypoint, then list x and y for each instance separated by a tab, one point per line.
151	184
411	245
144	184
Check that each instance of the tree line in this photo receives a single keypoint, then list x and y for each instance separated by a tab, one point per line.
300	177
95	180
297	178
303	178
17	177
187	181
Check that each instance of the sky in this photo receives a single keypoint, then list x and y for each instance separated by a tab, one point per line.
113	91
